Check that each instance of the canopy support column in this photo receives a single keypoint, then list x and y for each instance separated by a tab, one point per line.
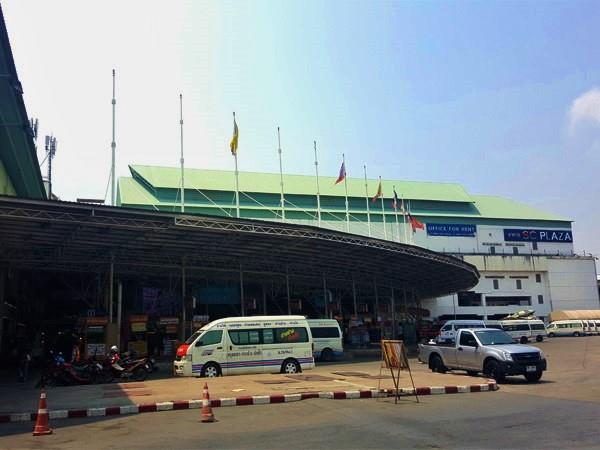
242	301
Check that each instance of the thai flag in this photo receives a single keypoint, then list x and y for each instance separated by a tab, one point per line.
342	175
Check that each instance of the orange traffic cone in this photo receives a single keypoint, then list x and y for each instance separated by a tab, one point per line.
41	424
207	414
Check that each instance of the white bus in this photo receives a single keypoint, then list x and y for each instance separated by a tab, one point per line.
327	337
238	345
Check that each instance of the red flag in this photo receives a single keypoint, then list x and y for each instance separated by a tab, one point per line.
342	174
414	223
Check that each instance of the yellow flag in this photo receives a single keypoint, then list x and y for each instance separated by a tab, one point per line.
234	140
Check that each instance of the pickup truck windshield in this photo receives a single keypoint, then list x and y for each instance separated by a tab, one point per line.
494	337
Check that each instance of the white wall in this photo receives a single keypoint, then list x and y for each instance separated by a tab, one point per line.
565	283
573	283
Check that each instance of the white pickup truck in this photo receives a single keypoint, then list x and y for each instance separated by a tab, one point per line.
486	350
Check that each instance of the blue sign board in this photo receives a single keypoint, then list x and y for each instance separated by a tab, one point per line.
528	235
451	229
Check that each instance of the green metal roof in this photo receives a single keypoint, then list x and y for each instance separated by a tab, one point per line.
17	149
223	180
504	208
442	200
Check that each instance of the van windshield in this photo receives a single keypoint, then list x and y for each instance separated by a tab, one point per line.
192	338
494	337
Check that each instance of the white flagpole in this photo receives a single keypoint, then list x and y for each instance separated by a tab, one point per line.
281	176
383	211
367	200
411	227
318	193
396	214
237	181
113	145
181	145
346	189
404	219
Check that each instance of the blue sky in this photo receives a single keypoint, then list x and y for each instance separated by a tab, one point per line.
479	93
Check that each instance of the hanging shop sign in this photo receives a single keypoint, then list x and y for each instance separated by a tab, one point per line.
529	235
451	229
168	321
138	318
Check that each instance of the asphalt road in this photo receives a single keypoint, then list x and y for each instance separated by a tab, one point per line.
562	412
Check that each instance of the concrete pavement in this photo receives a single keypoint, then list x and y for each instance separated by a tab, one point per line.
363	376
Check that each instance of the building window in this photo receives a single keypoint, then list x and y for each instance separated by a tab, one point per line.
469	298
492	250
514	300
515	250
534	245
540	299
538	278
519	284
496	284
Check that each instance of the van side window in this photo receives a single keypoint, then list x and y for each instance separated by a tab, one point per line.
325	332
210	338
268	336
537	326
245	337
290	334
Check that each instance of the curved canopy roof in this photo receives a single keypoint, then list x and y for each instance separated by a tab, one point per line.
44	235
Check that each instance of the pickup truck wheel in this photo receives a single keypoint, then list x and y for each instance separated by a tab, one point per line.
533	377
437	365
493	369
472	373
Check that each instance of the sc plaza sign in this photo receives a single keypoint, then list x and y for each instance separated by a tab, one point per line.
527	235
451	229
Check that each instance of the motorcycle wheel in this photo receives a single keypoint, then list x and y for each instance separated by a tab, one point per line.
140	374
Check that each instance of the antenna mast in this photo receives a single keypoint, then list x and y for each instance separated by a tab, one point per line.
50	152
113	145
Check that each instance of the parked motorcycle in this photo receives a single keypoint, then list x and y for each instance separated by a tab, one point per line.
61	373
136	369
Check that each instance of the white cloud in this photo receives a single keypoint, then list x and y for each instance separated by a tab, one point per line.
585	109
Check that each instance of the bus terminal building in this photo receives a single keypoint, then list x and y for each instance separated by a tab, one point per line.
525	256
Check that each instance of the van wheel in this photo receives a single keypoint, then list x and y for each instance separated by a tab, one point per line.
523	340
551	335
437	365
210	370
576	334
472	373
539	338
327	355
290	366
492	368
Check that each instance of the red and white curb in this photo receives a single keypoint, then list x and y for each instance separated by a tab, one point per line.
243	401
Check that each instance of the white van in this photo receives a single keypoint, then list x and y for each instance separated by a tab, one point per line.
448	331
590	327
238	345
566	328
523	330
327	337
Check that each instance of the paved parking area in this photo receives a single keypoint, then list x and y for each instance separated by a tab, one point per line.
330	377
